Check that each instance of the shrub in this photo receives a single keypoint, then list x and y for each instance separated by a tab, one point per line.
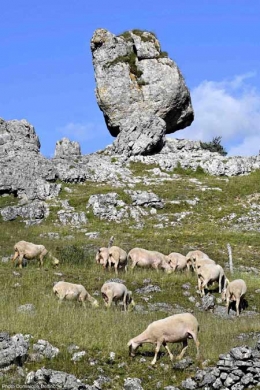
214	146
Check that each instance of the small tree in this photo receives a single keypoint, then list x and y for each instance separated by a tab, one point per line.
214	146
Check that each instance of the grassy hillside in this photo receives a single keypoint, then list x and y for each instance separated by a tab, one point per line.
223	210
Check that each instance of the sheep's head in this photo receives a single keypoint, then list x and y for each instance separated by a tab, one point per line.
132	347
130	300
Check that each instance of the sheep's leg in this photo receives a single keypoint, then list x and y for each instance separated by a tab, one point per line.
168	350
157	349
109	300
16	254
237	306
197	343
124	301
20	261
185	346
133	265
228	305
126	268
116	267
220	283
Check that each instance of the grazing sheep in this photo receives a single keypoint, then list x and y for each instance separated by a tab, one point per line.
143	258
27	250
178	262
117	257
194	256
209	273
102	256
71	291
174	329
235	291
114	292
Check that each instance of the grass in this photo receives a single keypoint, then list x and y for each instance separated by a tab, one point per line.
98	331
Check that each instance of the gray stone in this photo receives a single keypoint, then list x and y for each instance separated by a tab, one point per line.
45	350
66	148
136	87
132	384
77	356
208	302
55	379
145	199
27	308
189	384
13	350
148	289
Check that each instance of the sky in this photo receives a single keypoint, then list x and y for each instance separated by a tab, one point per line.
47	76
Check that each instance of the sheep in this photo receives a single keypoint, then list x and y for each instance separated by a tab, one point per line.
143	258
117	257
235	291
114	292
71	291
27	250
174	329
210	273
178	262
194	257
102	256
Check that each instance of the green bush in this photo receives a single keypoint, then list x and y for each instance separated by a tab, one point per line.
214	146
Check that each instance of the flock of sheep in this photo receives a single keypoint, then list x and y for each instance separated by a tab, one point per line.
173	329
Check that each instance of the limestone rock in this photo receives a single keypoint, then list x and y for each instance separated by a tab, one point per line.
140	91
66	148
13	350
55	379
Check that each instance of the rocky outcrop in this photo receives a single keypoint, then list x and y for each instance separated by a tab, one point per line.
237	370
13	350
47	378
67	149
139	89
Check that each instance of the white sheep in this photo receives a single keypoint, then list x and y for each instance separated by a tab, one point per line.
235	291
114	292
174	329
144	258
27	250
117	257
209	273
178	262
196	256
71	291
102	256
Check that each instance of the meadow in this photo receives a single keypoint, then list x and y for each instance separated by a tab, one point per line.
100	331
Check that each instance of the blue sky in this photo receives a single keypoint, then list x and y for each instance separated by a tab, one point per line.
47	77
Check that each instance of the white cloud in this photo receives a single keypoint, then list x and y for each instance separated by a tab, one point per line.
230	109
91	136
82	132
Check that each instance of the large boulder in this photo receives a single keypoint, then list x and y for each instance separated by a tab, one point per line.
139	89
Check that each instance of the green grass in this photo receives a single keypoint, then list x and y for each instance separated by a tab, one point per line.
98	331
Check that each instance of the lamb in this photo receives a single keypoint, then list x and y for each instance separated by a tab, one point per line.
210	273
178	262
27	250
114	292
235	291
117	257
71	291
174	329
143	258
102	256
